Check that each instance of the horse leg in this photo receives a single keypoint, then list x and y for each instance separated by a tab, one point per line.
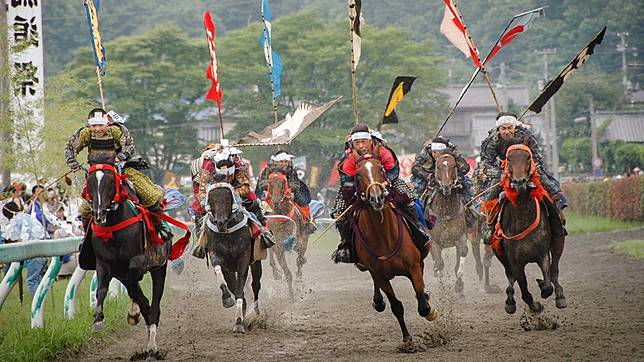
104	277
459	267
281	259
436	252
226	295
138	298
158	284
545	285
557	250
417	281
378	303
519	275
242	275
475	244
301	260
510	304
396	306
133	313
271	260
256	272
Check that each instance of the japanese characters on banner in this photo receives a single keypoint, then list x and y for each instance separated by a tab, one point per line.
24	20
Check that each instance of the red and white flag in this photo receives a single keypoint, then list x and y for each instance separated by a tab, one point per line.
517	25
212	72
456	32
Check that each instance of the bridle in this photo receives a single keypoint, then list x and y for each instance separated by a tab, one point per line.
383	185
236	207
120	192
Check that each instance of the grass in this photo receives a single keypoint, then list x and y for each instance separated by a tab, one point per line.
634	248
327	243
18	342
578	224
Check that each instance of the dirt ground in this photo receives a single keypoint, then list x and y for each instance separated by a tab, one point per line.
331	317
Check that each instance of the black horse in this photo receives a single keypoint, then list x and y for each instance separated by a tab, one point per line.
119	256
230	248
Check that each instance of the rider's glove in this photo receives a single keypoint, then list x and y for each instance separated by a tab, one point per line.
74	165
121	157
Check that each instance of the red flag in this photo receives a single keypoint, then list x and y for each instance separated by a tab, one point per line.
517	25
212	72
456	32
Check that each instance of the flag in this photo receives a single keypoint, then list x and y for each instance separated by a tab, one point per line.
291	126
517	25
355	16
456	32
91	11
402	85
553	86
273	59
212	72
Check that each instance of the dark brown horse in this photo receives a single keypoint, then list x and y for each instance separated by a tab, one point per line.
280	199
383	242
524	234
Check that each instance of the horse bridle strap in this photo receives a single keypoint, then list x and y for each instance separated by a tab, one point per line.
525	232
230	230
236	200
118	181
401	225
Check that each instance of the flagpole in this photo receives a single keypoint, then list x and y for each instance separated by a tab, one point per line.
100	86
270	68
221	120
354	86
460	97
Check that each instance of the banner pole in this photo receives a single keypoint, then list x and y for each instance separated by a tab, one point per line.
354	82
100	86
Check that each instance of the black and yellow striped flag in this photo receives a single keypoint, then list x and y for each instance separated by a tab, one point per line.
402	85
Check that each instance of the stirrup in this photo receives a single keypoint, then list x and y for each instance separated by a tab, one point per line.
341	256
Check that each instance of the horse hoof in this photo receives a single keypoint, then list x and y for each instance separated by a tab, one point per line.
546	292
98	326
536	307
459	286
561	303
133	319
510	308
379	307
431	316
228	302
238	328
407	339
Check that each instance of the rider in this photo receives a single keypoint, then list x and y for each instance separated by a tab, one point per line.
424	167
110	144
281	162
363	141
493	151
200	169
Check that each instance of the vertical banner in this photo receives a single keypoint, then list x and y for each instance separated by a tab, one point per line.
24	21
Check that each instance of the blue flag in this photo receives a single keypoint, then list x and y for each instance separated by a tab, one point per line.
91	10
272	58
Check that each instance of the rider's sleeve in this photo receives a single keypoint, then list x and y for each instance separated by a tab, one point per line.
421	168
534	147
76	143
488	153
462	165
126	141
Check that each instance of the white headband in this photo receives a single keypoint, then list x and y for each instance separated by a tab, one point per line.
361	136
436	146
507	120
282	157
225	170
98	119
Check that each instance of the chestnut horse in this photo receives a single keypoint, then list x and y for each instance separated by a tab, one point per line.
524	231
383	242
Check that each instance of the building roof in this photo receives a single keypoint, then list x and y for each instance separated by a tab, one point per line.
624	126
479	95
638	97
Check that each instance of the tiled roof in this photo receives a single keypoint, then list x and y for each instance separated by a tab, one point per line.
625	126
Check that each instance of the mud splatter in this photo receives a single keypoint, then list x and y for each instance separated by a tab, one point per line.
539	322
146	355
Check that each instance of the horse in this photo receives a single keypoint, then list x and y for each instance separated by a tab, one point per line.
281	201
383	242
524	231
230	249
118	242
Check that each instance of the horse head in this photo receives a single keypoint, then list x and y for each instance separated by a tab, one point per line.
370	178
103	188
278	188
445	173
220	204
520	166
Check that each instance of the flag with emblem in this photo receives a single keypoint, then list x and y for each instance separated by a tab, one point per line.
402	85
273	59
456	32
553	86
516	26
91	11
355	16
215	92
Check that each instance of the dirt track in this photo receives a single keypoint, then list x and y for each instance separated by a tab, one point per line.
332	318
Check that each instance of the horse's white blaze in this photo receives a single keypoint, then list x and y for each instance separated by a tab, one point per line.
220	275
461	266
99	178
369	168
240	309
446	170
152	337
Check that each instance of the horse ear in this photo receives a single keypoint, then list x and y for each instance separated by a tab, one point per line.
526	140
376	151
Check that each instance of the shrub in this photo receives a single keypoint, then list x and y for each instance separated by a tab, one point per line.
621	199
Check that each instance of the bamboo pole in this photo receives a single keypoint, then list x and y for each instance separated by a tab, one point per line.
100	86
354	82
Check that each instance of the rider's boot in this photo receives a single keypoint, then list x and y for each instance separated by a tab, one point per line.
343	254
267	236
162	228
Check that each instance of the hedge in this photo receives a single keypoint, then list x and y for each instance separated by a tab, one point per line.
621	199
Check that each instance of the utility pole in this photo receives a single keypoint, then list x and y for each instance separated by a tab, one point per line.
596	162
621	47
5	130
552	121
